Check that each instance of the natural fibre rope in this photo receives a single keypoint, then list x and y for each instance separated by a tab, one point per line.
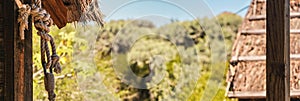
42	22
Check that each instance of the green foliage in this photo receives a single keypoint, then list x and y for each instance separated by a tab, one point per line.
230	24
176	33
87	59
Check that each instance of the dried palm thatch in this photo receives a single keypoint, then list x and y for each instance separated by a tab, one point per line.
247	74
67	11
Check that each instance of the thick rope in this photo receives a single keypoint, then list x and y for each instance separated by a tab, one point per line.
23	19
42	22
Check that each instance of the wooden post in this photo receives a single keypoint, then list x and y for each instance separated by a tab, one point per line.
278	50
17	55
28	69
8	34
22	61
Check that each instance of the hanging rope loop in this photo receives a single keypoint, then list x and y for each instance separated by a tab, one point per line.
42	22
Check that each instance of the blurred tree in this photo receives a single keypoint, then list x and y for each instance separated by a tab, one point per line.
88	73
176	34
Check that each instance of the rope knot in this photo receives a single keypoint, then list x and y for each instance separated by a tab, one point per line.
40	26
55	63
44	35
42	22
24	13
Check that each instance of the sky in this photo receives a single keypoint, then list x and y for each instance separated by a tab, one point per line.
162	11
219	6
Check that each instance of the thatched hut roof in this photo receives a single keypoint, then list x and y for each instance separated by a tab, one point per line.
247	75
66	11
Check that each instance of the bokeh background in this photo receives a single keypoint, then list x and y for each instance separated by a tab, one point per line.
85	51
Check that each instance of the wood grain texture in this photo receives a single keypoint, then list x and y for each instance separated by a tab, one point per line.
57	10
28	62
28	81
17	60
9	14
1	53
260	58
262	17
257	94
18	50
262	31
278	50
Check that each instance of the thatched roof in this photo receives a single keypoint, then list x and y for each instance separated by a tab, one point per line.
247	74
66	11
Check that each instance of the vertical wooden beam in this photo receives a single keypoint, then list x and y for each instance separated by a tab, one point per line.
28	62
9	17
18	56
22	61
2	55
278	50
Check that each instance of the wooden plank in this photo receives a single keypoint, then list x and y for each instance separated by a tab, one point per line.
247	94
257	94
262	31
58	11
261	0
22	62
263	17
1	8
2	79
260	58
1	54
252	99
1	73
9	12
1	25
18	56
278	50
28	62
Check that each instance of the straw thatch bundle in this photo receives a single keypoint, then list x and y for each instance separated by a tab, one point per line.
247	74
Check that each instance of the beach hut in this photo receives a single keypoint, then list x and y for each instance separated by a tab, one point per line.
247	76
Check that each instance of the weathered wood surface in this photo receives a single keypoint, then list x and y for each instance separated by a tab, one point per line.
1	52
262	17
247	71
262	31
260	58
9	17
15	56
57	10
252	99
257	94
278	50
22	61
67	11
28	62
